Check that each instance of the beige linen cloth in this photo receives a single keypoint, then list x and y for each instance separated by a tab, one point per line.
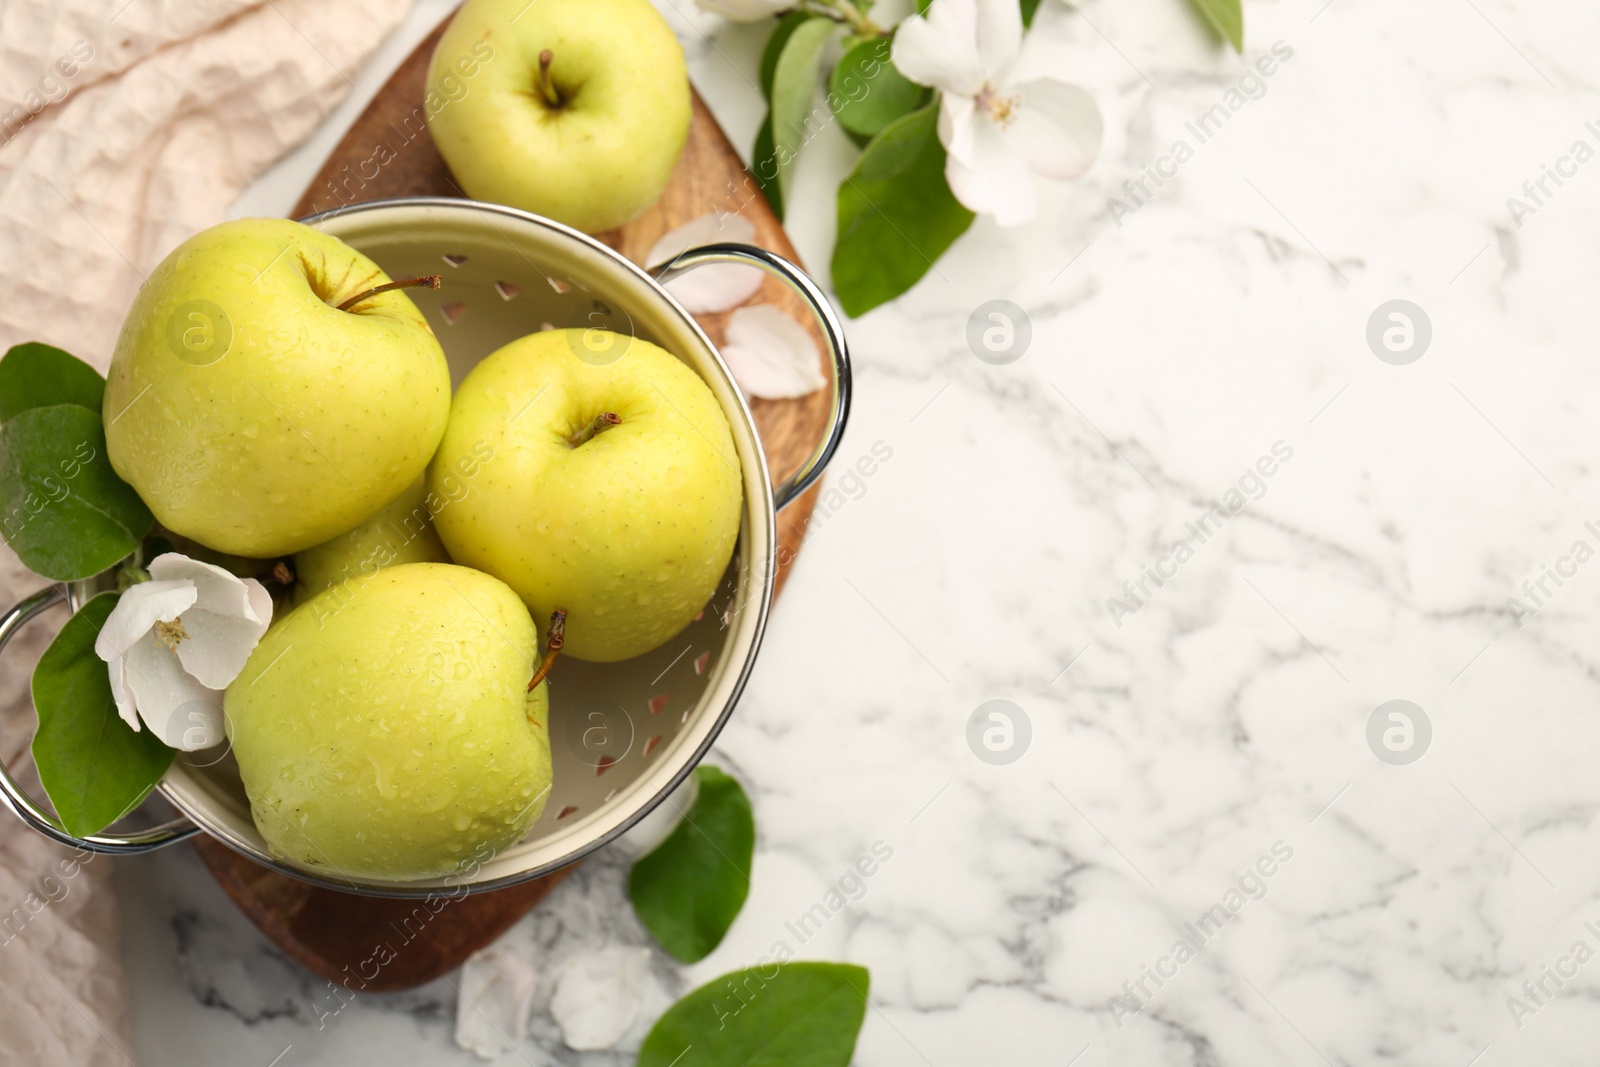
125	126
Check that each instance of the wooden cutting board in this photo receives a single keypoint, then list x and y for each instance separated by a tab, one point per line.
339	935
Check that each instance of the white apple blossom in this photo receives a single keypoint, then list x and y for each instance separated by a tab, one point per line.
995	128
175	642
745	10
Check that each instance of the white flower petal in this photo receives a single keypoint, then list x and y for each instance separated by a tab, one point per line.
495	995
745	10
707	229
179	710
941	48
956	117
997	182
218	590
226	622
599	995
122	693
771	355
217	646
137	611
260	602
1057	128
999	35
716	287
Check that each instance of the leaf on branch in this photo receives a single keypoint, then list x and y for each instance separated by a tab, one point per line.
896	214
793	120
868	92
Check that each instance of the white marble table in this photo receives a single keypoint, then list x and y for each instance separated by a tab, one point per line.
1224	722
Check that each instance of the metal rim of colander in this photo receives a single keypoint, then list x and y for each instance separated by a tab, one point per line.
174	831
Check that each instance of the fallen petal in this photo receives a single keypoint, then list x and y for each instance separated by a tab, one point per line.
716	287
495	996
771	355
598	996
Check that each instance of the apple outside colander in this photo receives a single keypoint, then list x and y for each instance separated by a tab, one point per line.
623	736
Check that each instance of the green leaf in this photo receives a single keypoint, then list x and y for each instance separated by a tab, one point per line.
62	508
780	37
765	168
868	92
794	83
781	1015
896	214
1029	9
35	375
688	890
1225	17
94	768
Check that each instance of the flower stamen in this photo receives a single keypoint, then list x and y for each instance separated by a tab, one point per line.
171	634
1002	110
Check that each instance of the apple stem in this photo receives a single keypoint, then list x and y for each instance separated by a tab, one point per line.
552	647
282	573
602	422
547	88
427	281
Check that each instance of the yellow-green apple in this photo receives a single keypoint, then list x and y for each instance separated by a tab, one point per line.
257	409
402	532
395	738
579	112
614	490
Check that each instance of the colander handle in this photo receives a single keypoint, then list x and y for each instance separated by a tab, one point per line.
832	335
37	817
